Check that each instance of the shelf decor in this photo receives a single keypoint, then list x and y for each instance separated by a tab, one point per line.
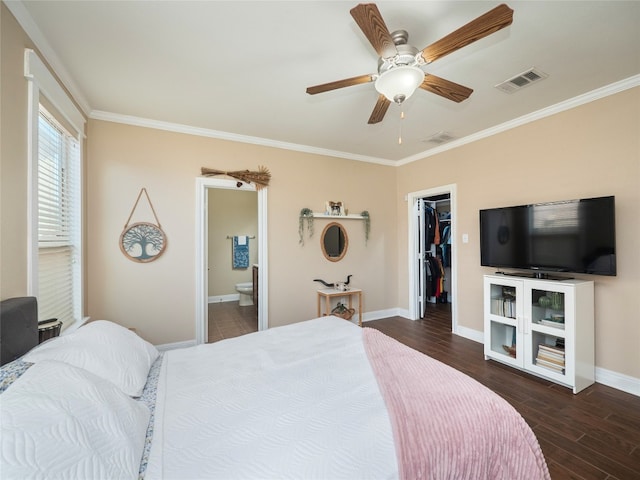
367	225
260	178
342	311
336	209
143	242
306	216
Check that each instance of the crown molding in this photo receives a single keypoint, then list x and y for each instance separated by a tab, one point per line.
574	102
233	137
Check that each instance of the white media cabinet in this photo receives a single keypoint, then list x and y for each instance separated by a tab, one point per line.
545	327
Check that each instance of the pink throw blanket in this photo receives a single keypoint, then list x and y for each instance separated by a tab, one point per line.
445	424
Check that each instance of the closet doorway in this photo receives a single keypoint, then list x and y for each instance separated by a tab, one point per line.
432	254
206	188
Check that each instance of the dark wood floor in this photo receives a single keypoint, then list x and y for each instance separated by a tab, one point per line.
592	435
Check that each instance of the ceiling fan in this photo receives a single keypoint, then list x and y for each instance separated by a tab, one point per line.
400	64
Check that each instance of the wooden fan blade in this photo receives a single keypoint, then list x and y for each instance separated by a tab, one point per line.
368	18
445	88
484	25
347	82
379	110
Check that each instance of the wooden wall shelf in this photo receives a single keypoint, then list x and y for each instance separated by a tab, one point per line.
338	217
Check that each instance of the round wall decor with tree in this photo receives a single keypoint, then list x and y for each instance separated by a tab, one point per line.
143	242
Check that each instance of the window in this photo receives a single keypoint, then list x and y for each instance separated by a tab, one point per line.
58	221
55	136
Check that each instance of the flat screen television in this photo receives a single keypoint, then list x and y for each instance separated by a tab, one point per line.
577	236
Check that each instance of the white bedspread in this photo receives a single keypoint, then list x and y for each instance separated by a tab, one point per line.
299	401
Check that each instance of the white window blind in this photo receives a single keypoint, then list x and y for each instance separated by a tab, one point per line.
59	237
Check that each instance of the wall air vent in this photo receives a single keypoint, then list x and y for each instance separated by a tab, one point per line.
439	138
521	80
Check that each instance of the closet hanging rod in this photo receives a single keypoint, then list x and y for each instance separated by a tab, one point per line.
248	236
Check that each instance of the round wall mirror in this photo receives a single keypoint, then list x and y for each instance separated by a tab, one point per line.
334	242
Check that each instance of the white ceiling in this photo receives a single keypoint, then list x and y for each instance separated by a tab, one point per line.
239	69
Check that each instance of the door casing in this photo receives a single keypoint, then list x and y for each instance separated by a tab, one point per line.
203	184
412	198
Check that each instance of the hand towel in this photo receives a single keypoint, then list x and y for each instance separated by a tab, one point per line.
240	251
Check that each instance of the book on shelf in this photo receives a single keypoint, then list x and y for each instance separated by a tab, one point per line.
551	357
551	350
504	306
550	366
496	306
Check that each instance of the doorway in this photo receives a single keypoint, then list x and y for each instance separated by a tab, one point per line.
232	258
431	254
205	186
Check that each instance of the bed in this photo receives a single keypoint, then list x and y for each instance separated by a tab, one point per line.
319	399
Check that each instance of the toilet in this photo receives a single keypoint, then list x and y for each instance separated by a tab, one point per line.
246	293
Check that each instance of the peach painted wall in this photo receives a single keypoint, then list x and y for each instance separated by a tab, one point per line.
589	151
13	154
158	298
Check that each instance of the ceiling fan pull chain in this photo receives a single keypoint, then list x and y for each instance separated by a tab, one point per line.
400	132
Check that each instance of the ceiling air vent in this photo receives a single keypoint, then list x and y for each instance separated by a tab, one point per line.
439	138
521	80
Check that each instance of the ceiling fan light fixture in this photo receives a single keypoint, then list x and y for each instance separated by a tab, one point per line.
398	83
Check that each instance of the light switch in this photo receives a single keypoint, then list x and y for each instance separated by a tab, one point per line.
465	238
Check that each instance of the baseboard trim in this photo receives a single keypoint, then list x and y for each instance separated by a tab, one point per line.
379	314
619	381
176	345
470	334
232	297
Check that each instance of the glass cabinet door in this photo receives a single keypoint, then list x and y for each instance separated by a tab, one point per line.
503	316
546	329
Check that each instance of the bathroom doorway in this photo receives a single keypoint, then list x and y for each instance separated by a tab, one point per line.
232	217
217	232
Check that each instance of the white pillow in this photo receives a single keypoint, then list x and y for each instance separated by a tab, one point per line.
59	421
105	349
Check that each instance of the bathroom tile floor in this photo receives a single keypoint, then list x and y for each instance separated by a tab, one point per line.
228	319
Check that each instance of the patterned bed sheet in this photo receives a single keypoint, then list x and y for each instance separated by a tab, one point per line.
11	371
148	397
